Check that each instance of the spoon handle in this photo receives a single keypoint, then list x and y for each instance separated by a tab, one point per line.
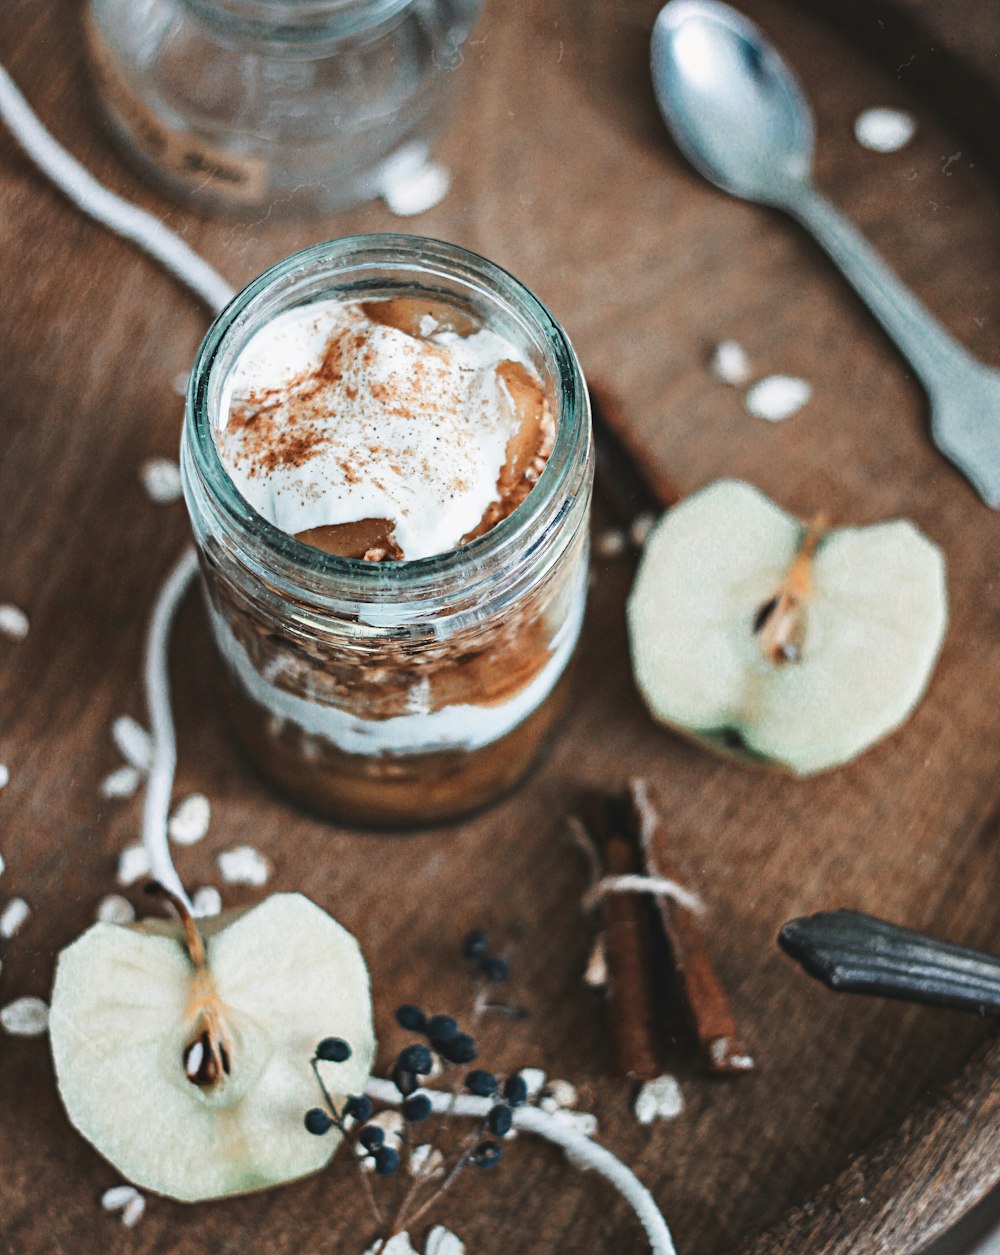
858	953
936	357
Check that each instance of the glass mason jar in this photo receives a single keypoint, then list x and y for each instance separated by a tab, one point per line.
394	694
299	105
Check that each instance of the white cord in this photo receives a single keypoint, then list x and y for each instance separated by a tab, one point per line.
160	242
160	782
582	1150
127	220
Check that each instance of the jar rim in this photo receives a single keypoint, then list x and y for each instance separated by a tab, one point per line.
302	565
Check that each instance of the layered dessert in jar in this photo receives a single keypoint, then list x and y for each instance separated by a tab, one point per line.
387	464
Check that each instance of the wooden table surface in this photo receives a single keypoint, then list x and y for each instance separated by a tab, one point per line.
564	175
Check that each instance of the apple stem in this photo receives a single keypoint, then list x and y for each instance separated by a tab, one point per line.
780	623
192	935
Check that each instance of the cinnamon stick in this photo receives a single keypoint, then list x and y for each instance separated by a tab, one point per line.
719	1040
629	480
631	1010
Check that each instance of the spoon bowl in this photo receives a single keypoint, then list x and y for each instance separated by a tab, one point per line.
733	106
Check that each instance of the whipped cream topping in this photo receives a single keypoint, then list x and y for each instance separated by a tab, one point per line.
330	417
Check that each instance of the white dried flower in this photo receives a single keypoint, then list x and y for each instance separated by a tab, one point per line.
133	741
579	1121
596	974
161	479
4	775
13	622
189	822
206	901
730	364
398	1244
884	130
13	917
25	1017
122	782
133	864
777	397
426	1161
243	865
660	1099
441	1241
558	1096
534	1078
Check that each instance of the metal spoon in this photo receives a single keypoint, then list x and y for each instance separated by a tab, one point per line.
857	953
737	113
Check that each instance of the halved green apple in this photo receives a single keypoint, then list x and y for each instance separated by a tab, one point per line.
790	643
183	1049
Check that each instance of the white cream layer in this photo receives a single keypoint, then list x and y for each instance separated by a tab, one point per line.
414	430
465	727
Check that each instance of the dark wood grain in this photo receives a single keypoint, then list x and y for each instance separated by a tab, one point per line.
562	174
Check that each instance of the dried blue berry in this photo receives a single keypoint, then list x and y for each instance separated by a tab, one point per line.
515	1090
410	1017
482	1083
494	968
486	1155
371	1137
461	1049
318	1122
404	1081
415	1059
359	1108
417	1108
500	1119
386	1161
333	1050
475	945
441	1028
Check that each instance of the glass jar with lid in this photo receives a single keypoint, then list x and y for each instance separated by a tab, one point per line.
394	693
290	105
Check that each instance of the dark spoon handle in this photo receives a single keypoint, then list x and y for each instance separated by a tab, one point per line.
857	953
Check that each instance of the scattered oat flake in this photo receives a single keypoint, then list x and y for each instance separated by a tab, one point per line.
884	130
13	622
181	382
206	901
133	1212
660	1099
25	1017
118	1196
596	975
133	741
730	364
415	191
189	822
243	865
121	782
114	909
14	915
4	775
133	864
2	864
642	525
441	1241
161	479
777	397
611	543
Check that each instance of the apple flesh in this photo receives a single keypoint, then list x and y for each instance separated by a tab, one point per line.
193	1078
795	645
